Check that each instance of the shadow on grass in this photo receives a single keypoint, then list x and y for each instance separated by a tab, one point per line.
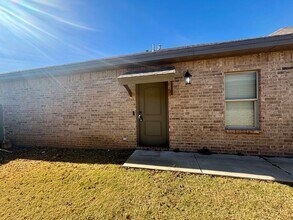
89	156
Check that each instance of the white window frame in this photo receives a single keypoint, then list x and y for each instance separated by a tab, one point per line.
254	100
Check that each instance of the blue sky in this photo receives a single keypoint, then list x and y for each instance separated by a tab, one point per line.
36	33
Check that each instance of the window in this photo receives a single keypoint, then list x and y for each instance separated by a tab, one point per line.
241	97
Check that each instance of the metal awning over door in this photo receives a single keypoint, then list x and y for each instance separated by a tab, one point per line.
163	75
151	76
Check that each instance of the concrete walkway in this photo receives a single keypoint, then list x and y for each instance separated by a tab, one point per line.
253	167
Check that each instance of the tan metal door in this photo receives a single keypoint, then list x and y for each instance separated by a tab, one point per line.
152	114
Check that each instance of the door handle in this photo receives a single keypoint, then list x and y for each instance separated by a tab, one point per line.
140	118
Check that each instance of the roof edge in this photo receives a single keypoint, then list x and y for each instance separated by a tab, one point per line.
177	54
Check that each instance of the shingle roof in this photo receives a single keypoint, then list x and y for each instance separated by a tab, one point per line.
282	31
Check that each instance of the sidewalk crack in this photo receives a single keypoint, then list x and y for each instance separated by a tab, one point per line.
197	163
275	165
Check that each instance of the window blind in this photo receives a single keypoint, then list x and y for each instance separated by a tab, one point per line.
241	99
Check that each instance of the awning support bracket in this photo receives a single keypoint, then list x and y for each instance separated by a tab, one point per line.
128	90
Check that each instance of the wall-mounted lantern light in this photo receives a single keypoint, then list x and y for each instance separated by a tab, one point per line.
187	78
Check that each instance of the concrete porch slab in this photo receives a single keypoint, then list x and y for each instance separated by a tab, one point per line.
285	164
163	160
252	167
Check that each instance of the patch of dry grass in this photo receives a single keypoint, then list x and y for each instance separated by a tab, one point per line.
66	184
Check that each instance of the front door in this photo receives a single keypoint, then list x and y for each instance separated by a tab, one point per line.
152	114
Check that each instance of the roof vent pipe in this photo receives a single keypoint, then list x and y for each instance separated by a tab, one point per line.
153	48
159	47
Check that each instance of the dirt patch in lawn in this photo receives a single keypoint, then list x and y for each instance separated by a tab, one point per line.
91	156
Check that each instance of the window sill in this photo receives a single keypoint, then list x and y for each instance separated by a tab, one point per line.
242	131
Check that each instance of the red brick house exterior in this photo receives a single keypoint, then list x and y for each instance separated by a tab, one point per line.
84	106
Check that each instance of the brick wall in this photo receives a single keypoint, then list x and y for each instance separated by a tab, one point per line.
197	110
92	110
87	110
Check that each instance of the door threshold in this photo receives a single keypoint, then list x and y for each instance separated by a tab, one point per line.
155	148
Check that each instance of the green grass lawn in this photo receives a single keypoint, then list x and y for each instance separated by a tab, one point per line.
88	184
